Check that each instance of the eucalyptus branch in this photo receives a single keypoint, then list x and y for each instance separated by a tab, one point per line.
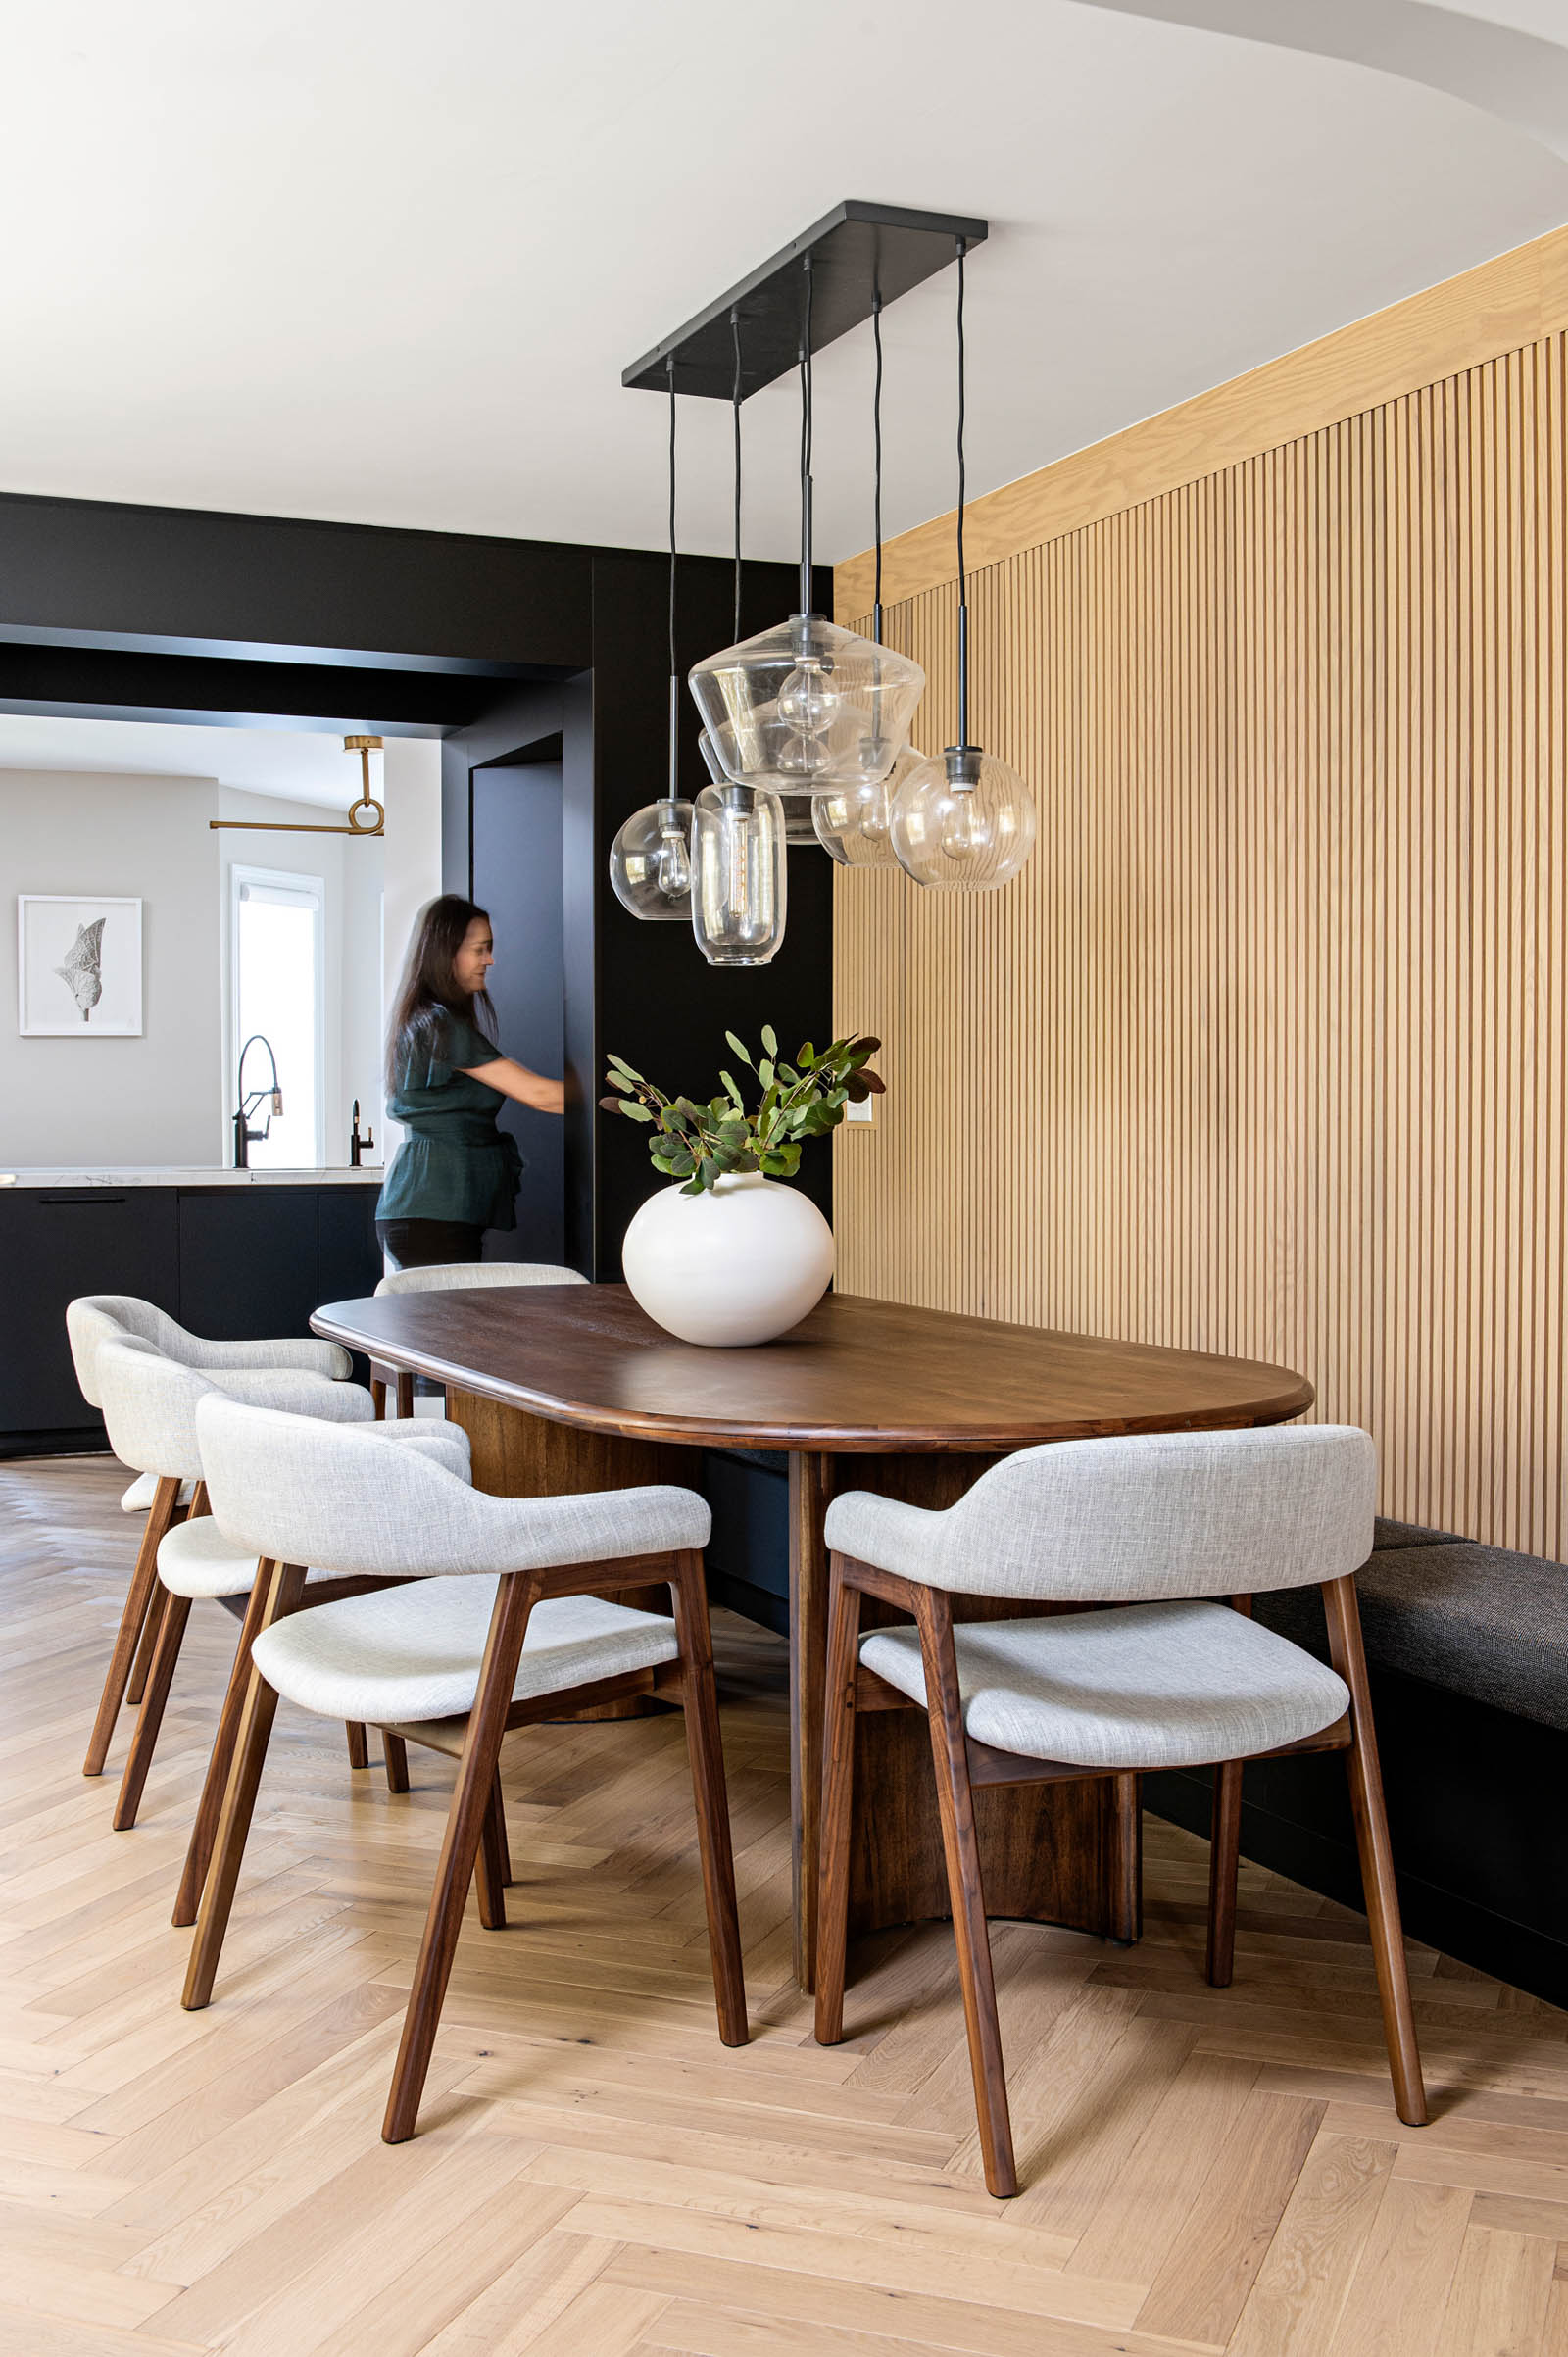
701	1144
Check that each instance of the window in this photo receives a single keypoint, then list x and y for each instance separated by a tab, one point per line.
277	992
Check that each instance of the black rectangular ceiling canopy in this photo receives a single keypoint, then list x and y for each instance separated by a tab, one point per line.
857	251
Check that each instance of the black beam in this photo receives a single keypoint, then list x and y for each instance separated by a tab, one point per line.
857	251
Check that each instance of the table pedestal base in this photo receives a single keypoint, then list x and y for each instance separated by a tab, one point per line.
1058	1853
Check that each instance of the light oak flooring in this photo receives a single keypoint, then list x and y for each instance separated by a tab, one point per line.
595	2175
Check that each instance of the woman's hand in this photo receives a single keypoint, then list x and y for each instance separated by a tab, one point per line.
515	1080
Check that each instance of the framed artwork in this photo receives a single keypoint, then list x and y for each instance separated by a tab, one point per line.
78	966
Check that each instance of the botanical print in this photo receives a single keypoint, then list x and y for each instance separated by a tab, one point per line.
83	969
78	963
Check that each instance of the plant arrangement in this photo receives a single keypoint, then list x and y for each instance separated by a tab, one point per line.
704	1143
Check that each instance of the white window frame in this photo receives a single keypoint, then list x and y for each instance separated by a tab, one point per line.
286	880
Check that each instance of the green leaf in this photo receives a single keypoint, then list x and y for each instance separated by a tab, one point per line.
618	1080
734	1091
621	1065
770	1038
739	1048
806	1057
634	1112
765	1072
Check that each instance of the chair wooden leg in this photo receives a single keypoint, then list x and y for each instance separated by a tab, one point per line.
488	1874
1126	1911
378	1395
395	1752
285	1586
838	1803
150	1718
147	1646
138	1597
498	1812
944	1713
710	1796
1376	1857
1224	1854
470	1802
209	1807
359	1743
405	1393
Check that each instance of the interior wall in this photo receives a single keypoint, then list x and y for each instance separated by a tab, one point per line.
109	1102
1264	1051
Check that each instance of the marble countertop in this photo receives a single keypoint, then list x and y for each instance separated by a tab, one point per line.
88	1175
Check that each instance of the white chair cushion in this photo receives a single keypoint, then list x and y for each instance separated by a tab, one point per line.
1146	1685
195	1559
138	1499
407	1654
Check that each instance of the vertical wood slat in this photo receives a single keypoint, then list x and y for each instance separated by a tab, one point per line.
1264	1051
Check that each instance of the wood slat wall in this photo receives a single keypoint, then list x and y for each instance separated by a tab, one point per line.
1263	1054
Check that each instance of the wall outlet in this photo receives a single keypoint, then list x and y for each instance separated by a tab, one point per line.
864	1111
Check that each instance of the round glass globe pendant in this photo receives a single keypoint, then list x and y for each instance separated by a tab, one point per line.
964	821
740	880
650	859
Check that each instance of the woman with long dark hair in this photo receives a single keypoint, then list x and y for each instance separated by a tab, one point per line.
456	1173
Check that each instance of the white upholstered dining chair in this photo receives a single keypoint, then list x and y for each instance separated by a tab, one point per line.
96	1317
508	1617
454	1276
148	1404
1149	1532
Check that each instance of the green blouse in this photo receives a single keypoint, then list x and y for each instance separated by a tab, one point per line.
455	1163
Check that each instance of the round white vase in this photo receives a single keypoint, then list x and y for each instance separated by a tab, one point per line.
739	1265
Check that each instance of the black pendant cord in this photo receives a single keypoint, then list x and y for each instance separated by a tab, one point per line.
806	445
673	794
736	397
876	466
963	585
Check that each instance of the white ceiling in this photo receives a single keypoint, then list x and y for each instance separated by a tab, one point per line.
386	261
300	766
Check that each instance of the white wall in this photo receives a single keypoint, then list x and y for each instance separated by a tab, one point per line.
152	1100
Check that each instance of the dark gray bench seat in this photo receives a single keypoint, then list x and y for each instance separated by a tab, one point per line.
1474	1620
1467	1649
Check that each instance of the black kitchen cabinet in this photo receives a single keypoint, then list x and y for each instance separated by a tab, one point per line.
227	1261
56	1242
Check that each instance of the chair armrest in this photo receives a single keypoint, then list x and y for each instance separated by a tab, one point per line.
304	1355
889	1534
295	1390
539	1534
435	1437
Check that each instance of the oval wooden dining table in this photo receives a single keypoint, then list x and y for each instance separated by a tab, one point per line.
573	1388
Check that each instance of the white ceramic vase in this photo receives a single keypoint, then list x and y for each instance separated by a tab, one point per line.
739	1265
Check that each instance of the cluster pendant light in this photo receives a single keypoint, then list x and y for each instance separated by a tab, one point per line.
806	726
964	821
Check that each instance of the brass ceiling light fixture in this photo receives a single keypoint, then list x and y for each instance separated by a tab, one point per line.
374	825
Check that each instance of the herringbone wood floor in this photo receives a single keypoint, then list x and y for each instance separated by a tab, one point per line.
595	2175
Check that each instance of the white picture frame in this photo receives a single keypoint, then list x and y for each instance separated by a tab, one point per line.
79	965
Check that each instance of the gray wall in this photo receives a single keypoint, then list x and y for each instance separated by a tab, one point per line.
157	1099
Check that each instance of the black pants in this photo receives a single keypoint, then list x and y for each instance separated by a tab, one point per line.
425	1242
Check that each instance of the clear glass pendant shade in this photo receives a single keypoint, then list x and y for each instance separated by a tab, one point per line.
962	821
808	705
740	879
855	823
798	827
650	864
